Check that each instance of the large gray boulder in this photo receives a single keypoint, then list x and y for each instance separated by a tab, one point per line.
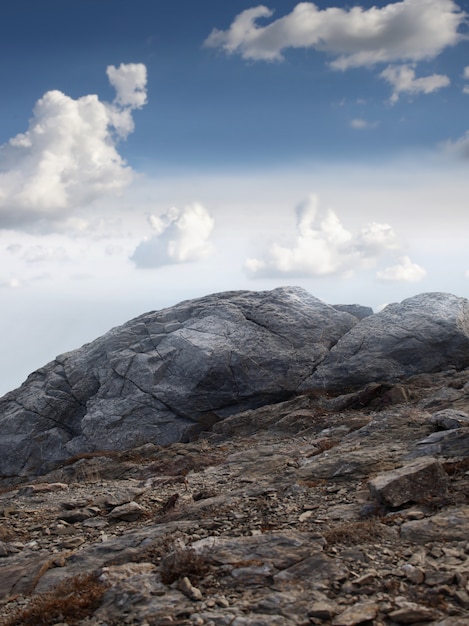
162	376
426	333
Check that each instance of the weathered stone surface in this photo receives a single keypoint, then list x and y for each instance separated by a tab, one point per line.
357	310
413	482
128	512
166	374
280	550
449	419
445	443
425	333
451	525
411	613
357	614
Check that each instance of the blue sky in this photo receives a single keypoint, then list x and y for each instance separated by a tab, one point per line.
155	151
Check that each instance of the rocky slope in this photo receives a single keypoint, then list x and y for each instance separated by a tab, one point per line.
327	510
170	374
322	477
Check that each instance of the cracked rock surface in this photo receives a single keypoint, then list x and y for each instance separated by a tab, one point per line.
167	374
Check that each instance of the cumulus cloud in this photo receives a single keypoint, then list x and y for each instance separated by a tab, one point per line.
411	30
68	156
129	80
404	272
403	80
322	246
181	235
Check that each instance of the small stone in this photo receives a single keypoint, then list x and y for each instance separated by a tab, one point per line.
129	512
323	610
462	597
77	515
413	574
357	614
367	578
411	613
191	592
449	419
438	577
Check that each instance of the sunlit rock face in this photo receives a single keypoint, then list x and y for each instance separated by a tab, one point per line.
166	375
425	333
162	376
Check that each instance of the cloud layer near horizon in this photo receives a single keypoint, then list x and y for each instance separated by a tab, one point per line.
323	247
182	235
68	156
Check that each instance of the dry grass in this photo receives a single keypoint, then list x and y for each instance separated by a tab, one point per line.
182	562
70	601
110	454
6	534
353	533
174	559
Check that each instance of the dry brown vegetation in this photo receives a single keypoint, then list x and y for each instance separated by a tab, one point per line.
354	532
71	601
181	562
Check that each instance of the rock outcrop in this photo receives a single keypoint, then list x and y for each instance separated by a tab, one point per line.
165	375
426	333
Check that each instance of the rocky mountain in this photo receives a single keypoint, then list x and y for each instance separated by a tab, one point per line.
168	375
244	459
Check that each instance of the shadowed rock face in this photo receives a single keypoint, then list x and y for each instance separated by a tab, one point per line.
164	374
426	333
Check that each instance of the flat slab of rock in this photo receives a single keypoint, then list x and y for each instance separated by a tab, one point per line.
414	482
357	614
451	525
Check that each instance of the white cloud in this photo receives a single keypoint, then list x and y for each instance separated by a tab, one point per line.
404	272
129	80
460	147
361	124
181	236
411	30
322	247
68	156
403	80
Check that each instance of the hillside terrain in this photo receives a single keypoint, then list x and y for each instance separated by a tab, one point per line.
313	498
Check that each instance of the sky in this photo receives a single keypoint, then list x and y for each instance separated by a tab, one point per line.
154	151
